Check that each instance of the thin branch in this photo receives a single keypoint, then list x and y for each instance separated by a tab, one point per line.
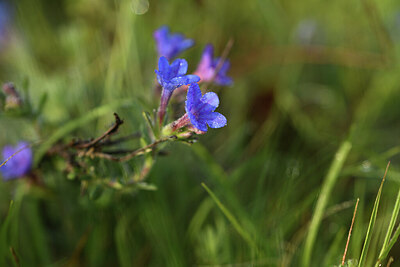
134	153
113	129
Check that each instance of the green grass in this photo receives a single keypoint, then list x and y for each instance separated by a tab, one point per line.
312	123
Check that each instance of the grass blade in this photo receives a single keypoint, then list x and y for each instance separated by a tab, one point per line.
392	223
322	201
389	246
245	235
372	220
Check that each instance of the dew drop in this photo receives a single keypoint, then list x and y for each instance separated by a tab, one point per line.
366	166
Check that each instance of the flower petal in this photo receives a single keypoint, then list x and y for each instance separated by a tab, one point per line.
20	164
206	58
185	80
170	45
176	39
8	151
211	98
159	76
202	126
205	68
161	37
185	44
179	67
163	65
192	98
222	78
161	34
216	120
225	67
183	66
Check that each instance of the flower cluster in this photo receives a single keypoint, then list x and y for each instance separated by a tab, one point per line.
172	74
200	109
171	77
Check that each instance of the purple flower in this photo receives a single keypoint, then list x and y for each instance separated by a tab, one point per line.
170	45
207	67
200	109
171	77
20	164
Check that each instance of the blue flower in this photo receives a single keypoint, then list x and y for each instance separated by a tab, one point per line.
170	45
200	109
20	164
208	65
171	77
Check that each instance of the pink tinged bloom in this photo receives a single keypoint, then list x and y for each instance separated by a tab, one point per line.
208	66
20	164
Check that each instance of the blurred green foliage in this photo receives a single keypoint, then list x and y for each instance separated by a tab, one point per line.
307	76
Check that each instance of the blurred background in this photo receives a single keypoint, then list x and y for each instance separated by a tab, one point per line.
308	75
